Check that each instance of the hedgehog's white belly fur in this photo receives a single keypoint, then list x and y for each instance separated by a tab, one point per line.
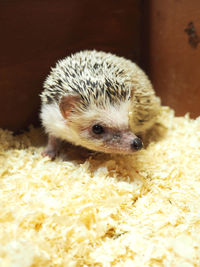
55	124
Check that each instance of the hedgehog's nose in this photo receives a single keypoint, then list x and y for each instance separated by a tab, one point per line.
137	144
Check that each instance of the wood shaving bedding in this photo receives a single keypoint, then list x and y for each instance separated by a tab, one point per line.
139	210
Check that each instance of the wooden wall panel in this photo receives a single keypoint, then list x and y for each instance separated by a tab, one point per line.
173	50
34	34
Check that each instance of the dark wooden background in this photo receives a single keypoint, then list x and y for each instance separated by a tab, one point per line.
174	53
35	34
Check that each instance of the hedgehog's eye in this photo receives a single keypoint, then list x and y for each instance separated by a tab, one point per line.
97	129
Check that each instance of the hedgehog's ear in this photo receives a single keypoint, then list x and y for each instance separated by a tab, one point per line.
67	104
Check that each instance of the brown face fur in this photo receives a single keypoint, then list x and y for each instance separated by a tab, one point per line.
111	140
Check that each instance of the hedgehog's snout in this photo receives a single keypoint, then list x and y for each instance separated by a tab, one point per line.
136	144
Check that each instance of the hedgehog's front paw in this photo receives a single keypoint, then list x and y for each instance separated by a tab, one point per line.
49	153
52	148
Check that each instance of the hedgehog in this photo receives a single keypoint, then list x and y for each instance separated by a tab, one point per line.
99	101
